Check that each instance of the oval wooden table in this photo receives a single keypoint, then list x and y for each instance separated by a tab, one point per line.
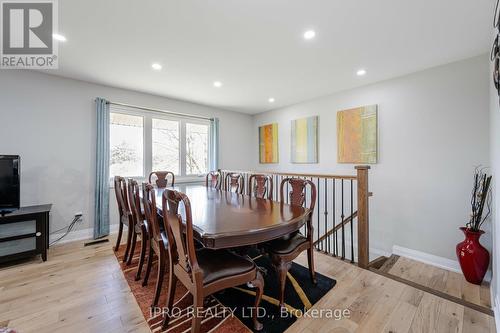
227	220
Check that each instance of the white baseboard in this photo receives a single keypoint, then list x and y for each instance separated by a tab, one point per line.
427	258
430	259
77	235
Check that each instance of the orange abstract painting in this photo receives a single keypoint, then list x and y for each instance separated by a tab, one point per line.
268	143
357	135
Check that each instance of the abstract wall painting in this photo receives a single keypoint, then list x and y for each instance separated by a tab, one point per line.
305	140
357	135
268	143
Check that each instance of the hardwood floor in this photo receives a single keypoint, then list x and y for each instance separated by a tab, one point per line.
380	304
81	289
442	280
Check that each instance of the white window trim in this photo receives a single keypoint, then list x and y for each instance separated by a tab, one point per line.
147	117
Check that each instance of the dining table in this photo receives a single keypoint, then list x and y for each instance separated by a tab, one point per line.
223	219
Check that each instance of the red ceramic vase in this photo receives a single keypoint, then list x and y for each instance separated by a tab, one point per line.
472	256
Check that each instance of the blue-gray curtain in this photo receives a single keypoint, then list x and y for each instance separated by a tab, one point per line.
101	209
214	144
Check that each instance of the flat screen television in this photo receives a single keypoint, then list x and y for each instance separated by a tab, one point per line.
9	183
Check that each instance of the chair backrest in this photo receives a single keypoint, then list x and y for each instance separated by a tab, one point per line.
261	186
121	197
134	200
180	235
161	178
212	180
150	210
297	194
235	182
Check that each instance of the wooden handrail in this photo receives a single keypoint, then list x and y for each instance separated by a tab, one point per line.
337	227
313	175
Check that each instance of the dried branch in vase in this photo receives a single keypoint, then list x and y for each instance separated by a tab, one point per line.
480	200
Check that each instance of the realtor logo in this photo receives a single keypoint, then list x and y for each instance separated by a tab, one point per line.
27	29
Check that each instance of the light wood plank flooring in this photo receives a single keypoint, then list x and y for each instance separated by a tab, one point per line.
81	289
380	304
451	283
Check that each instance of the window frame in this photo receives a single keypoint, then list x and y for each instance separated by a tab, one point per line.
148	117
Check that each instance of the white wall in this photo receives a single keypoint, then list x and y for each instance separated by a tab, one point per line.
50	122
433	130
495	169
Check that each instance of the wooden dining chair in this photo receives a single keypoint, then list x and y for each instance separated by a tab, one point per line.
124	214
284	250
203	271
140	223
212	179
261	186
158	243
235	182
160	178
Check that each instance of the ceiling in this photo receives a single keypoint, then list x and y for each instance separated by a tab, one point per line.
256	47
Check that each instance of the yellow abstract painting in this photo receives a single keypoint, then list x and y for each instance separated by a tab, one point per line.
304	140
357	135
268	143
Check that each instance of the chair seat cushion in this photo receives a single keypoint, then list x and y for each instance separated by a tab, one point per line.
218	264
285	246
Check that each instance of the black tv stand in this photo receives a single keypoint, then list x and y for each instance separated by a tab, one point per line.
5	212
24	233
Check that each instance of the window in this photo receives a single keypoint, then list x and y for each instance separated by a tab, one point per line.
196	149
126	145
141	142
166	148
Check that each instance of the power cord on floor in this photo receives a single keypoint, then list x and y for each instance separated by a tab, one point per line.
69	228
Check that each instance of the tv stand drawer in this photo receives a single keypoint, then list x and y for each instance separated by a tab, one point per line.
17	246
18	228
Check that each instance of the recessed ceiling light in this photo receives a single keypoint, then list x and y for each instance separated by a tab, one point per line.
309	34
58	37
361	72
271	99
217	84
156	66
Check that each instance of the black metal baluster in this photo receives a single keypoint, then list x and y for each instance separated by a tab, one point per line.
352	241
320	246
305	200
342	221
335	239
325	206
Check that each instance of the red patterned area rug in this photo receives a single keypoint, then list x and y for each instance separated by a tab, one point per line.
227	311
217	317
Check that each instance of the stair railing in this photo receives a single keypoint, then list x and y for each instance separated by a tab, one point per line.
341	216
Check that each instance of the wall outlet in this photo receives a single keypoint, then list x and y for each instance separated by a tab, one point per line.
79	215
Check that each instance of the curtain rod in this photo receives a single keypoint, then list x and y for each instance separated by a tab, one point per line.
158	110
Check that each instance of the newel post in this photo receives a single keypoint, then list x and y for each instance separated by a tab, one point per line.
363	213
